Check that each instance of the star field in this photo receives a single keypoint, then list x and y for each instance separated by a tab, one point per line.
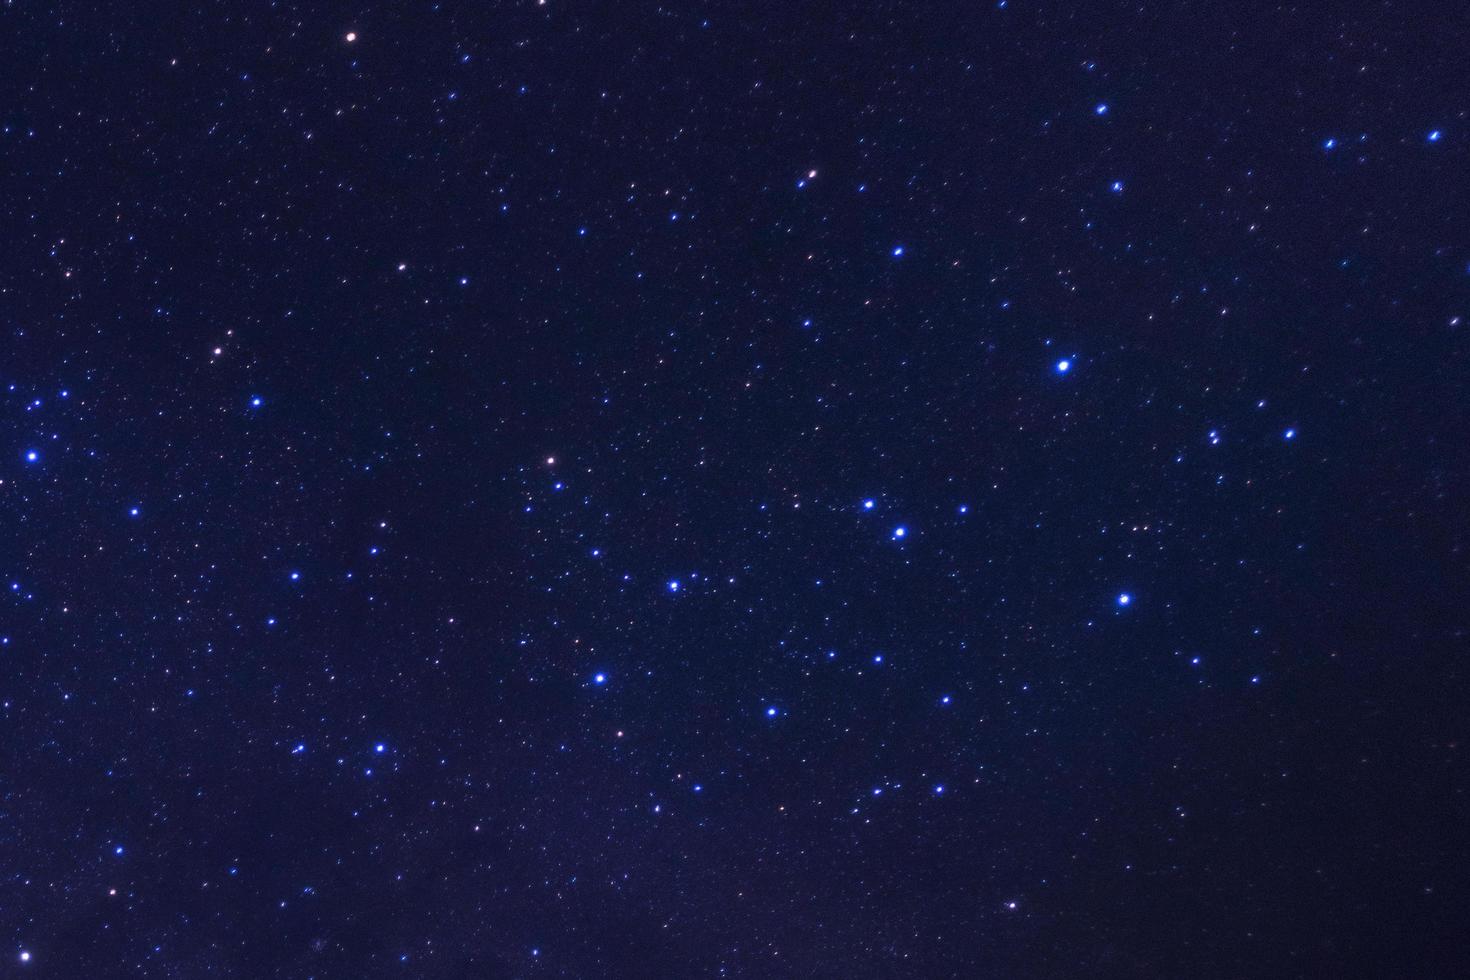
544	489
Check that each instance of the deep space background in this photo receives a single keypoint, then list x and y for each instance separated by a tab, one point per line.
708	489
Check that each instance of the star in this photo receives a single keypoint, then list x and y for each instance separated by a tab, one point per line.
1101	109
1124	599
599	678
897	252
900	531
32	456
1063	366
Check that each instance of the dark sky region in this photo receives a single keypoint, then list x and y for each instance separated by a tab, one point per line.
736	490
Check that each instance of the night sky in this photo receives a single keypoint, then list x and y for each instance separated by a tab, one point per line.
501	490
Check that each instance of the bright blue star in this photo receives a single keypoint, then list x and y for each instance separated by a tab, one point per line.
673	585
771	712
1124	599
380	748
869	504
939	789
295	576
1329	144
900	531
945	700
32	456
1289	434
1063	366
133	512
118	850
1117	187
1102	109
897	251
255	401
599	678
1434	135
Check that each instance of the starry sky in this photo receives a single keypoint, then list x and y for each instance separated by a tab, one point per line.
567	489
